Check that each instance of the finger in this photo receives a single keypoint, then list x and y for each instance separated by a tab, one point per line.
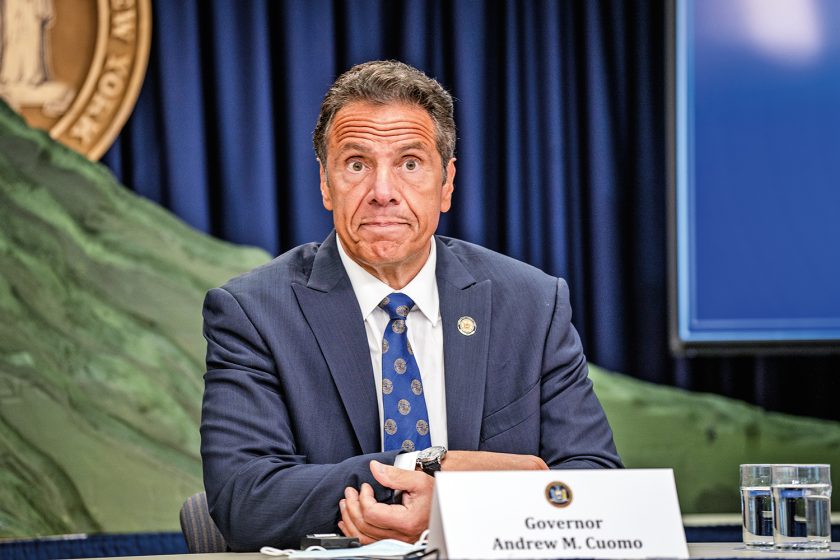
345	524
386	520
398	479
377	514
353	514
348	527
404	522
366	493
351	511
413	483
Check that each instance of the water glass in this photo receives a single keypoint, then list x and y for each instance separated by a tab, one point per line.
756	506
801	506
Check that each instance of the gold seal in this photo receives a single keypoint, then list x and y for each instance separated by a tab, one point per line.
403	406
422	427
75	68
466	326
416	387
390	427
558	494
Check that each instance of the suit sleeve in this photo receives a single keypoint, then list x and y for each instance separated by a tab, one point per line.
260	490
574	432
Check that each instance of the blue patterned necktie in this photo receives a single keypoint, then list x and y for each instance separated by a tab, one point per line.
403	404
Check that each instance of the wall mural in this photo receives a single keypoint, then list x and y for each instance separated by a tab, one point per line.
101	362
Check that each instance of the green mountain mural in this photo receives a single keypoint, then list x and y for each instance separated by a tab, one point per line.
101	352
101	362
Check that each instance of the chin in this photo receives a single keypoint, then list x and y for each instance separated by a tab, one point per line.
385	255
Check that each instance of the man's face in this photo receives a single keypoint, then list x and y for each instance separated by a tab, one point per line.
383	182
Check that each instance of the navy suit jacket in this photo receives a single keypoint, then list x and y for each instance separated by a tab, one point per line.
290	415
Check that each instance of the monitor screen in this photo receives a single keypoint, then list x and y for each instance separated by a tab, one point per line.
755	197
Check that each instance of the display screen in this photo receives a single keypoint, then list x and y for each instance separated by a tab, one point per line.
757	175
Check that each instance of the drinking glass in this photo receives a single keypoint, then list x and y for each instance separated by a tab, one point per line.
801	506
756	506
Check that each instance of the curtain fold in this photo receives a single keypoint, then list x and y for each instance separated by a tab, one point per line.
561	150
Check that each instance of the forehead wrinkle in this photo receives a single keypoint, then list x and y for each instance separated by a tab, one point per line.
387	132
346	138
354	126
421	123
419	118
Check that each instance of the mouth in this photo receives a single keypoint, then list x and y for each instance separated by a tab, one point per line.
383	228
384	223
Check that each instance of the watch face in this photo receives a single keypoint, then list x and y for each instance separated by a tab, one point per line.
432	453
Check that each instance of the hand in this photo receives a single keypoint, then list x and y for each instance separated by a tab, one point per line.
490	461
362	516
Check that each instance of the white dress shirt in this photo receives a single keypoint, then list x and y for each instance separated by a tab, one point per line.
425	333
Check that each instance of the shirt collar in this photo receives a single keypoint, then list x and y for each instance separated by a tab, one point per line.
370	290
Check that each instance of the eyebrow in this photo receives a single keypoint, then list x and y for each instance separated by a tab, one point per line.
353	146
414	146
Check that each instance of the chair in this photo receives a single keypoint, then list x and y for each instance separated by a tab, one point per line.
199	530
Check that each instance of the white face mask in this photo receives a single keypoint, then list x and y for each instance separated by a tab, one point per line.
380	549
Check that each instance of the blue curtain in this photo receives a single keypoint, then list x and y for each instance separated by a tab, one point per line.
561	149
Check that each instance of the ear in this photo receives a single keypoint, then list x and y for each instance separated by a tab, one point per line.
325	190
448	187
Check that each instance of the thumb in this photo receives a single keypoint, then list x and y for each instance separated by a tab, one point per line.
394	477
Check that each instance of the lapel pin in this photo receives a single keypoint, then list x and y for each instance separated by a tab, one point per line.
466	326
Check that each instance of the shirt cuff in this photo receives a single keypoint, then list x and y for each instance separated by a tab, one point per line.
406	461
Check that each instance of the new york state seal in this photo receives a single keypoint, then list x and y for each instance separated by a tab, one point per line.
74	67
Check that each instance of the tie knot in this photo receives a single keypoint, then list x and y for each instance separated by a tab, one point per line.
397	305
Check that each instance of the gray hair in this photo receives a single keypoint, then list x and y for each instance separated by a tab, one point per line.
384	82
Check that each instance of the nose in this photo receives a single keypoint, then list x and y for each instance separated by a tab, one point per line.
385	190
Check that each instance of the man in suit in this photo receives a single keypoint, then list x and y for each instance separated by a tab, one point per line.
344	371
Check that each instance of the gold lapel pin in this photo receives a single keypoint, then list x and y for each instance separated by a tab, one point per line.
466	326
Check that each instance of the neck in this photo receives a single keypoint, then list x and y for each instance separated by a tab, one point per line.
396	276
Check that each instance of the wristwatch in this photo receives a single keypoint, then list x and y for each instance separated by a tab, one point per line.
429	459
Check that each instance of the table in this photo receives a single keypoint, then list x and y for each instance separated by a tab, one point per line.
710	551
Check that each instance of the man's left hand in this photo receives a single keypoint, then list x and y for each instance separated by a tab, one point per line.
363	517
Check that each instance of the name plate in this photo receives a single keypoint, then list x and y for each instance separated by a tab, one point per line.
604	513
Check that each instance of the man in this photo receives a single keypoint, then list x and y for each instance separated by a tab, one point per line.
336	360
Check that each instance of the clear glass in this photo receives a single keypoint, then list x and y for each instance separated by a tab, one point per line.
801	506
756	506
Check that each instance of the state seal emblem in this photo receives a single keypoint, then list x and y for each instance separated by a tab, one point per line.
558	494
74	67
466	326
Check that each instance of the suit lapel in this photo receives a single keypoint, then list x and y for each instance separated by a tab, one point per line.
332	311
465	357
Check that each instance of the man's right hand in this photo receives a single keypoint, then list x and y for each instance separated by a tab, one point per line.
363	517
490	461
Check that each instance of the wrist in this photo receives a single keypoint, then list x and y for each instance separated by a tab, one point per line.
406	461
430	460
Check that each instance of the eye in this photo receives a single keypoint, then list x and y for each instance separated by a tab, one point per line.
411	165
356	166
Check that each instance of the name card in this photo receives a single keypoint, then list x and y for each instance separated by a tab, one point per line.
604	513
